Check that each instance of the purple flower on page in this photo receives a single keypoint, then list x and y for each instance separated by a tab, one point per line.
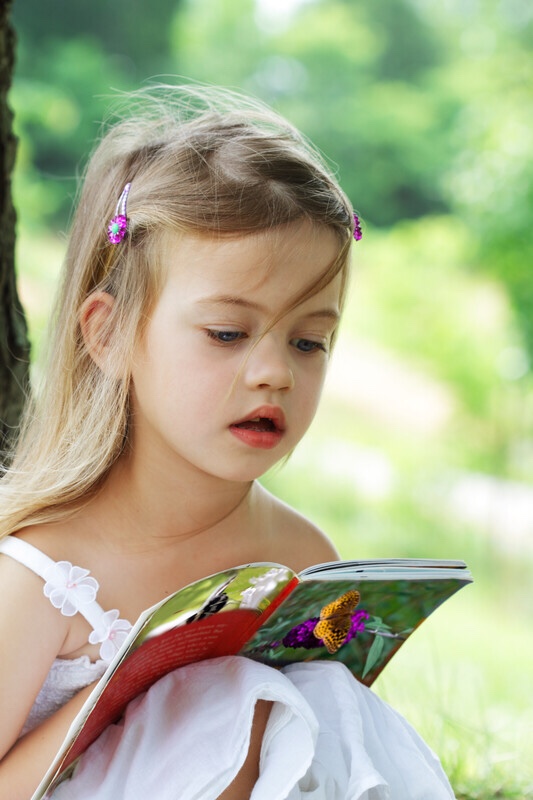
358	624
69	588
302	635
111	632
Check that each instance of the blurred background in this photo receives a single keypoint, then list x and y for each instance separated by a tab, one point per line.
424	443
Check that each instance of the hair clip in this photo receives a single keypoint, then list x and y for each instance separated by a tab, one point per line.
118	225
357	232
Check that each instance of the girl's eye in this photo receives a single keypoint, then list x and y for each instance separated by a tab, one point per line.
308	346
225	337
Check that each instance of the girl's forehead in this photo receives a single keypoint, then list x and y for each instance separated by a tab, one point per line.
297	254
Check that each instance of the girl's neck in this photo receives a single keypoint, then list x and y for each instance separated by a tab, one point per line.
151	506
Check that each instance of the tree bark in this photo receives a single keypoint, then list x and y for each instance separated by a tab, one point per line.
14	344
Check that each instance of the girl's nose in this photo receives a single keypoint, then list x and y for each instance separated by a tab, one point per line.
268	365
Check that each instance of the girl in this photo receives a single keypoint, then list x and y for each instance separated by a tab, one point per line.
193	330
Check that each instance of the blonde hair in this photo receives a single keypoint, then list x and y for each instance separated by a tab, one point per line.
200	160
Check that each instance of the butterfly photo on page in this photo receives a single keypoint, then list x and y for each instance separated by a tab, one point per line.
338	623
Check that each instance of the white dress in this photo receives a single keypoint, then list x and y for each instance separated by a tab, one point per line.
328	738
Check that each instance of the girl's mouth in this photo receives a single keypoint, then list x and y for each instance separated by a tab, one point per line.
258	424
263	429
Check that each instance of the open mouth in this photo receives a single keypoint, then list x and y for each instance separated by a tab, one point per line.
264	428
261	424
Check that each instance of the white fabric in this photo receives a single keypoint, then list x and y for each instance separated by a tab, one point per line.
328	738
26	554
66	678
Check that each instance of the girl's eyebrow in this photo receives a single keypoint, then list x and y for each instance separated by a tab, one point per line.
230	300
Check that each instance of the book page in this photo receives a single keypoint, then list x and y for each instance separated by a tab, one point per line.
388	567
360	622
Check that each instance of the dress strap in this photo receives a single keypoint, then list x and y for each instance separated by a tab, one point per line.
26	554
72	590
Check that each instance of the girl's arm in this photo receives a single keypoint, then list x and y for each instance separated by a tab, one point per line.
24	766
32	634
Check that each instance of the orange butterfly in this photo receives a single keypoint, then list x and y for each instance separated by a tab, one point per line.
336	620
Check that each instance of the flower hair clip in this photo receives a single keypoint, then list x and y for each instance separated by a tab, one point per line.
118	225
357	232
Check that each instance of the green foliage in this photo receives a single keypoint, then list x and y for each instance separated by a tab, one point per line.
343	74
129	31
70	59
57	117
432	308
490	182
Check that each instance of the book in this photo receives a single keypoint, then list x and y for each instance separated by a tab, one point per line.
357	612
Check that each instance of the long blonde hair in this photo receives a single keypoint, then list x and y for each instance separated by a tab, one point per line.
200	160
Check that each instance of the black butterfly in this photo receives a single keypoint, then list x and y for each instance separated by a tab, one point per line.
216	602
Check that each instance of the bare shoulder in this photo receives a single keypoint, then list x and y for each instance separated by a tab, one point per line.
295	540
49	538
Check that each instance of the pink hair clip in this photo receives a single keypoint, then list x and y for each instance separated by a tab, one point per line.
118	225
357	232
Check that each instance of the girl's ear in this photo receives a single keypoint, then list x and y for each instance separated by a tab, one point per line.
94	317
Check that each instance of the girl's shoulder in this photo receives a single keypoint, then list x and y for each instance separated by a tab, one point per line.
295	540
43	573
28	556
25	558
54	539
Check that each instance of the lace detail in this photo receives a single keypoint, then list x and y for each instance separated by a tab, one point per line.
66	678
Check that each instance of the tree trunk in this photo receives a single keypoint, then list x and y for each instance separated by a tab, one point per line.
14	344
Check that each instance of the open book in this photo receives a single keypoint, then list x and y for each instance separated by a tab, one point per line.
358	612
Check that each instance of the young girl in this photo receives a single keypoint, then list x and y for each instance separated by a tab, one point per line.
202	290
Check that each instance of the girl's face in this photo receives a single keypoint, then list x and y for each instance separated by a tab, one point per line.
214	389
